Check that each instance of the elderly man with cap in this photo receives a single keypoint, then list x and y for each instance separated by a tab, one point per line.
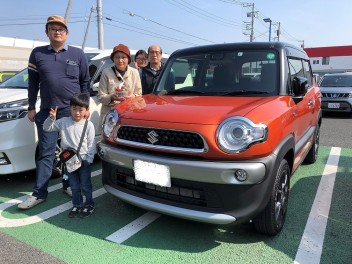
57	72
118	82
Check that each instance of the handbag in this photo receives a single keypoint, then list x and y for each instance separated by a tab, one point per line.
70	157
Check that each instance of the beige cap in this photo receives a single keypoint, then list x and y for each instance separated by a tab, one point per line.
57	19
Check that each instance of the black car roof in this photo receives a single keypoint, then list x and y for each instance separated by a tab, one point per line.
290	50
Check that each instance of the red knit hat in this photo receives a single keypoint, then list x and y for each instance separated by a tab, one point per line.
121	48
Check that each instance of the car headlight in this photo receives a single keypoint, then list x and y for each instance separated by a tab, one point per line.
110	120
236	134
13	110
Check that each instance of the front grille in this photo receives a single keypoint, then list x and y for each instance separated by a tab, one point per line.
161	137
335	95
180	191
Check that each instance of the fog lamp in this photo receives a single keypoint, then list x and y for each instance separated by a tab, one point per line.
241	175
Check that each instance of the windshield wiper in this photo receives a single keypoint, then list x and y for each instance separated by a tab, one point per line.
244	92
180	91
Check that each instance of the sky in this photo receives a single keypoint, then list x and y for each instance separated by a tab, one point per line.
176	24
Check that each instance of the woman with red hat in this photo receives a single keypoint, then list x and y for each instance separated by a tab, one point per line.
118	82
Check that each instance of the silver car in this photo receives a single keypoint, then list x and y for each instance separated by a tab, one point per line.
336	89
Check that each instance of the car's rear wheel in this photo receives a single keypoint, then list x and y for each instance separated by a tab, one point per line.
313	152
272	219
57	166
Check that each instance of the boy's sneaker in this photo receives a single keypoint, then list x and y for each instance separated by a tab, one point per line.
86	211
30	202
74	212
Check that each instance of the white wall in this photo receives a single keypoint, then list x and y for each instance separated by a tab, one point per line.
14	52
337	63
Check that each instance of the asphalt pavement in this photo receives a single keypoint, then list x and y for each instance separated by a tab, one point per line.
13	251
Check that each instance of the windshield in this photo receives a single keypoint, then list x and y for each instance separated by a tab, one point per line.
18	81
337	81
223	73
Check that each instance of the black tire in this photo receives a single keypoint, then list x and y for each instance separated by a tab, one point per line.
313	152
272	219
57	166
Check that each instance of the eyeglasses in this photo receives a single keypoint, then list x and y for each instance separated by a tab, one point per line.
120	58
58	30
155	52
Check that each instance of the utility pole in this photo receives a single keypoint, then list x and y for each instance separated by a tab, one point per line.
278	32
68	10
302	45
87	29
252	15
252	24
100	25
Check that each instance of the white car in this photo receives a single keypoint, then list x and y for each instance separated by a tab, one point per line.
18	136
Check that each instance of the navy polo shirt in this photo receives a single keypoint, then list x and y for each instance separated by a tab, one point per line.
57	75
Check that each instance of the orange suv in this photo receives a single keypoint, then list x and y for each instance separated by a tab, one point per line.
220	136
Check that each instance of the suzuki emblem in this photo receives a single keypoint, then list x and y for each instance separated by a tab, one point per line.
153	137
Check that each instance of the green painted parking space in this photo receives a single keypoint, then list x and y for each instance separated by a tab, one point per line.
173	240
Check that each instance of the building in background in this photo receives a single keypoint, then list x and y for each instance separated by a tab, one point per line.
330	59
14	52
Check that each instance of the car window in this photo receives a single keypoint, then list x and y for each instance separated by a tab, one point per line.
223	73
18	81
337	81
308	72
296	68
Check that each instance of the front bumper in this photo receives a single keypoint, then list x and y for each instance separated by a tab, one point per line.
344	106
201	190
18	140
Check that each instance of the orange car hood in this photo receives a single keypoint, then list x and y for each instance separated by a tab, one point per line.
188	109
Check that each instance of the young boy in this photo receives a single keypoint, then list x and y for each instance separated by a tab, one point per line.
71	129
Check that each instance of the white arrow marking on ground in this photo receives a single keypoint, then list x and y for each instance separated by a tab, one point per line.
5	222
311	245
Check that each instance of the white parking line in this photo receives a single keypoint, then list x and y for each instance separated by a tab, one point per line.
132	228
311	245
5	222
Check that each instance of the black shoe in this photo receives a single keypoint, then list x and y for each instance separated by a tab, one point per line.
86	211
74	212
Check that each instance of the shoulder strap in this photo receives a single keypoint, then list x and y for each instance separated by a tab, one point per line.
117	76
82	136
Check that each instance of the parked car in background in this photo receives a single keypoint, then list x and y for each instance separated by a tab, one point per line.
336	90
219	138
5	75
18	136
101	61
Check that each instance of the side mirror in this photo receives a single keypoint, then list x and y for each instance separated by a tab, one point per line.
300	86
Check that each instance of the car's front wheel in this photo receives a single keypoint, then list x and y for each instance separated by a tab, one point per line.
272	219
313	152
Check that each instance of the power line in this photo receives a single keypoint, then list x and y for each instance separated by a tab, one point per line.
35	23
197	12
144	31
159	24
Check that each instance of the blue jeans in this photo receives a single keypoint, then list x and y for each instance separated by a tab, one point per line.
80	180
46	152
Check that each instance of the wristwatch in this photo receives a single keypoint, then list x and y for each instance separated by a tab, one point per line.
31	108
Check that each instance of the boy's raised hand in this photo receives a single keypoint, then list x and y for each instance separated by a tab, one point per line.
52	112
